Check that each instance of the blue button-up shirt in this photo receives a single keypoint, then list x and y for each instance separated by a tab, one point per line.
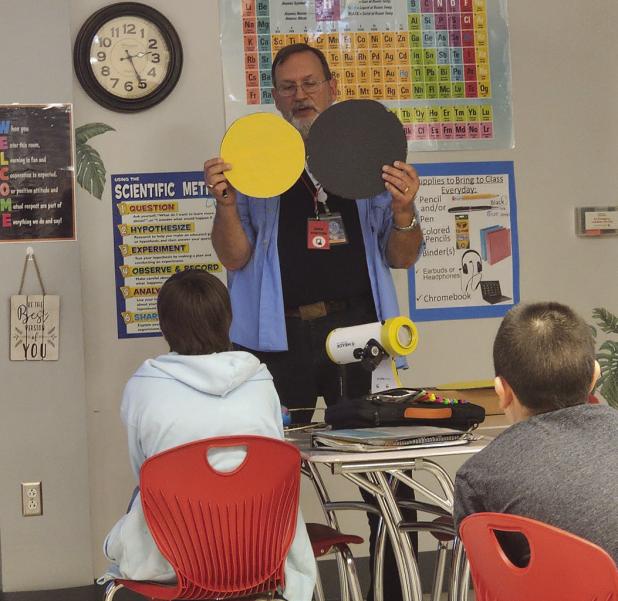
256	291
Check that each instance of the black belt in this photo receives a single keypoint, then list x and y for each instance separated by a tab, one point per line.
318	309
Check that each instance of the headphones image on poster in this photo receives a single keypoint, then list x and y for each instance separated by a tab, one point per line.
464	266
474	271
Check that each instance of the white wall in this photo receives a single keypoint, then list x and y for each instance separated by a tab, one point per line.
43	404
176	135
565	131
565	156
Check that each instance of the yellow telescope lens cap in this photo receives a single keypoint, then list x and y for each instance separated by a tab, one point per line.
266	153
399	336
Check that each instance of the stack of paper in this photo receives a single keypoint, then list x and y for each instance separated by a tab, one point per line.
390	438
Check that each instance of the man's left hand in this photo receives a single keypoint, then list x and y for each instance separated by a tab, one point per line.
402	181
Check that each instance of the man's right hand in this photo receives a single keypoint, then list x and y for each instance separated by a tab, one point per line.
214	176
228	236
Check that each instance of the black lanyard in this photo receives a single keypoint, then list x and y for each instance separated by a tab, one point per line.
314	197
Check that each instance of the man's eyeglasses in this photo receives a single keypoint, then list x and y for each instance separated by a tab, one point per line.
309	86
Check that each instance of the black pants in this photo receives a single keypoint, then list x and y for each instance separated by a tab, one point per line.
305	372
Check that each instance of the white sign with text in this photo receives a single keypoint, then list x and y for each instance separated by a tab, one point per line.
35	331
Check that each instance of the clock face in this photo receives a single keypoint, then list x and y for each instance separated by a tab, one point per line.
129	57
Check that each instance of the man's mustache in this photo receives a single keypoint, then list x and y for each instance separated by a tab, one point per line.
303	105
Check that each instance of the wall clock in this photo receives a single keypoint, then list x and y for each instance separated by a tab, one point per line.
127	56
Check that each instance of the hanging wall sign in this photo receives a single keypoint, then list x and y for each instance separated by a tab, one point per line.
34	327
35	320
36	173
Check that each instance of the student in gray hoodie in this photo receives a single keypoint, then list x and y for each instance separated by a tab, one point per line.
200	389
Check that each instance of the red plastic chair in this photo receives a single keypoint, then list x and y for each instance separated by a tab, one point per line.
326	540
562	566
226	534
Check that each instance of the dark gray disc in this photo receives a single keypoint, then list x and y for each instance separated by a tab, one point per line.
350	142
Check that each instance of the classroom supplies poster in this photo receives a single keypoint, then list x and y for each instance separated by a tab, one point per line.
469	267
442	66
162	224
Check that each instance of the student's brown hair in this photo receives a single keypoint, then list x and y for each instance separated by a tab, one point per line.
195	313
545	351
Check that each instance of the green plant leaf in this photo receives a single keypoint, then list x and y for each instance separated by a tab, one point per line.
611	346
90	170
607	356
608	382
608	363
85	132
609	390
607	321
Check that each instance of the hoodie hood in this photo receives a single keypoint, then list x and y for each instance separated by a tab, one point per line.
215	374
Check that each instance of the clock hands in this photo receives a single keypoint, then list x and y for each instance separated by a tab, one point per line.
130	56
130	59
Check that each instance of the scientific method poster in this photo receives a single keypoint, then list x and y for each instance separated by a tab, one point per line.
162	224
443	66
36	173
470	265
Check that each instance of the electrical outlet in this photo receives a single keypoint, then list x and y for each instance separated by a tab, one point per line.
31	499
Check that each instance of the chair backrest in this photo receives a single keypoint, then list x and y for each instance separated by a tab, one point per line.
226	534
562	566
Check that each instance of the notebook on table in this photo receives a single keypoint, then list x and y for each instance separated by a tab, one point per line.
389	438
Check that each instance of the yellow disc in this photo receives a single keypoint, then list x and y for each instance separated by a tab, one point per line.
266	153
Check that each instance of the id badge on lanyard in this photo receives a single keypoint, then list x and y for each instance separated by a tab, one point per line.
317	234
326	229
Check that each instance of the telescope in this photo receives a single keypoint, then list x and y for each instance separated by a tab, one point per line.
376	345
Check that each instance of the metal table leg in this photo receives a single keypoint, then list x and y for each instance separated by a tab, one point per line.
460	573
376	478
312	471
402	548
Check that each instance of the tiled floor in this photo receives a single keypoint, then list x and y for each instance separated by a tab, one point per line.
95	593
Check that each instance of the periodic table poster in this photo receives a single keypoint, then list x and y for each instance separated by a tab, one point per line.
442	66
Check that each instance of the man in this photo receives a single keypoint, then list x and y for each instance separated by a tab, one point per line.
558	462
286	298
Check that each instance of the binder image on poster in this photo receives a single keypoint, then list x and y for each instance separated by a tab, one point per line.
498	245
484	233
